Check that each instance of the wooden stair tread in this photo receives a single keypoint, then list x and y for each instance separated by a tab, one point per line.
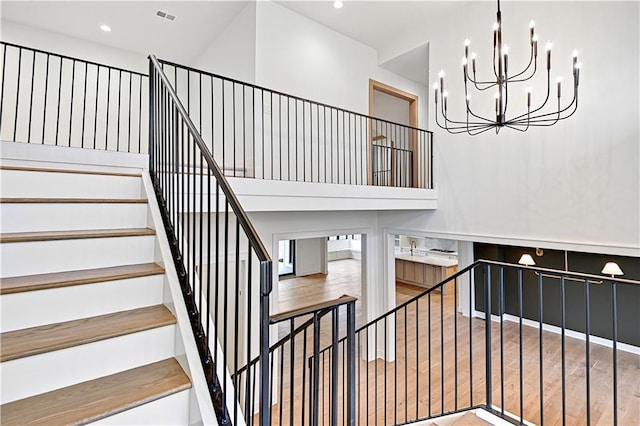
21	237
51	337
99	398
70	278
72	171
73	200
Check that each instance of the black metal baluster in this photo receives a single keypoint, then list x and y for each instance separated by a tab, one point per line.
540	316
334	367
614	324
15	115
248	413
129	112
44	110
429	347
442	350
520	314
95	115
316	370
455	344
563	348
471	299
587	343
375	375
304	136
417	356
406	359
304	374
233	107
4	64
487	325
106	128
140	115
501	313
280	132
33	75
119	98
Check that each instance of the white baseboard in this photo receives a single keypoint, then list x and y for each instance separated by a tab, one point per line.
558	330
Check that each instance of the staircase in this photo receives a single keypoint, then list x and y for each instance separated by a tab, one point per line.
85	334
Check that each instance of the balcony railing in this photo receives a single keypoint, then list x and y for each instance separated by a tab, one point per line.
260	133
53	99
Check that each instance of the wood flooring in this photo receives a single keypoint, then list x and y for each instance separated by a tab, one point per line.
432	370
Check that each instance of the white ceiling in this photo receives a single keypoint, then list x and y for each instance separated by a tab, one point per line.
135	26
396	29
381	25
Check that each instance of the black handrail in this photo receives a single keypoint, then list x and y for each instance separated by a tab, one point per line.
267	134
55	99
400	342
212	299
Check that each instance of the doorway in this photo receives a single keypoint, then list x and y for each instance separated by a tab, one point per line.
392	148
286	257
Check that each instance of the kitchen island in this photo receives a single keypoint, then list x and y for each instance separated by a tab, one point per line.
423	271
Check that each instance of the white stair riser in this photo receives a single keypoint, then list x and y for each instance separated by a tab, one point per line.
170	410
37	374
41	257
65	217
69	303
17	183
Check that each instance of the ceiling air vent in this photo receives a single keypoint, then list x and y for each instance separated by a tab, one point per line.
165	15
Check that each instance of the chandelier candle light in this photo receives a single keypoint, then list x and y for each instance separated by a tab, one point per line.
476	124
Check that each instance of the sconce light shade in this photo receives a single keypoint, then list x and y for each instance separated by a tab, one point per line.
526	260
612	268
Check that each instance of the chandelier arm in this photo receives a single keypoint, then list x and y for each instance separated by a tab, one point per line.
528	66
455	129
461	124
506	95
542	105
546	122
521	80
469	111
541	118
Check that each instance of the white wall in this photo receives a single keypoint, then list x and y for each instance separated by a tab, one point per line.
232	53
575	185
59	43
311	256
299	56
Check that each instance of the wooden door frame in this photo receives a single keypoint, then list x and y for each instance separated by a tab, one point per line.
413	122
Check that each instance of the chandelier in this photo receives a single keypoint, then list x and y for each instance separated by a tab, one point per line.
475	123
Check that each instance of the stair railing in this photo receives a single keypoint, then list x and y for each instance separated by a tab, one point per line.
53	99
261	133
295	366
440	353
216	250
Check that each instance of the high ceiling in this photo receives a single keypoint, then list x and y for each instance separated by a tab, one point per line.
382	25
135	26
390	27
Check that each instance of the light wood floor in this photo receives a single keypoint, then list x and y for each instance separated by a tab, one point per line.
438	370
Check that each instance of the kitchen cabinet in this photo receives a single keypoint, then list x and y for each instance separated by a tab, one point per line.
420	273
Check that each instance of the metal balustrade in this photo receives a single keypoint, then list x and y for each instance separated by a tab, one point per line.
53	99
260	133
440	353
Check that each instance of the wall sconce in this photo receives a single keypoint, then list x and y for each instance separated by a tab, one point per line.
526	260
612	268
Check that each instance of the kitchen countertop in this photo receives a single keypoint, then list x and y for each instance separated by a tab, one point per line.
428	260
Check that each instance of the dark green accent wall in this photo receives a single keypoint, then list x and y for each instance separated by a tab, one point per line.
575	307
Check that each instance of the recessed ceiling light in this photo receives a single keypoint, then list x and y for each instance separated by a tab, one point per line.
338	4
105	28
